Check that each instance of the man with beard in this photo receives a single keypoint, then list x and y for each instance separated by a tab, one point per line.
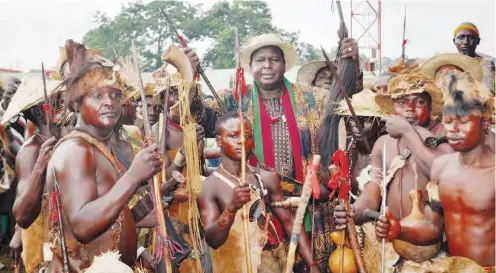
462	194
412	98
466	39
95	186
285	116
222	197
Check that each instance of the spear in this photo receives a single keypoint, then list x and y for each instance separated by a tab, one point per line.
403	45
199	68
240	87
347	99
156	179
56	193
384	196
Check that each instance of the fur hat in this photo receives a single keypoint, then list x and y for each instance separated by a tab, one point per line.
406	84
289	51
464	95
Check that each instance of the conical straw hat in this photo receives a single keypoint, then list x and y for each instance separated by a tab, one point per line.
465	63
306	73
29	94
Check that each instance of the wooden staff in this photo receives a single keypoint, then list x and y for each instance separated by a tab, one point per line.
65	258
199	68
403	43
300	213
350	227
243	153
156	179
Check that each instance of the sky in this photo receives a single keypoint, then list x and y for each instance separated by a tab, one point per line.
31	31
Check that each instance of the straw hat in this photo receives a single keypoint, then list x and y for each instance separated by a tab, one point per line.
364	105
289	51
465	63
406	84
308	71
29	94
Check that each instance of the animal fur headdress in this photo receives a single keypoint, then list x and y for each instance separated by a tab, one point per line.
406	84
402	67
464	96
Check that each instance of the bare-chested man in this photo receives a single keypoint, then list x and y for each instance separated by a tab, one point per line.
31	162
465	179
95	187
412	98
222	197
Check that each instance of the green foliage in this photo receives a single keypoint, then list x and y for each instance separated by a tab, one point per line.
145	24
151	32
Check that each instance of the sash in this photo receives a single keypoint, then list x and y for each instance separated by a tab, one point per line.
263	132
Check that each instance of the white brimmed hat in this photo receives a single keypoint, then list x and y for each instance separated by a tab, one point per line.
306	73
289	51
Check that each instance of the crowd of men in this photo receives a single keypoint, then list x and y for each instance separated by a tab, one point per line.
78	163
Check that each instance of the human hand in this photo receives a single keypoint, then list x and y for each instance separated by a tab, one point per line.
46	151
240	196
16	247
349	49
146	163
341	216
397	126
387	226
200	132
193	58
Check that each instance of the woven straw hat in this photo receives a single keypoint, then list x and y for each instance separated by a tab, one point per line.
307	72
29	94
364	105
465	63
406	84
289	51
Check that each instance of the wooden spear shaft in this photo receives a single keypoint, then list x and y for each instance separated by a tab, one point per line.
156	179
243	160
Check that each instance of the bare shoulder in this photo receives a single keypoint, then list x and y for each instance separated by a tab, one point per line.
439	165
270	179
30	147
209	186
73	151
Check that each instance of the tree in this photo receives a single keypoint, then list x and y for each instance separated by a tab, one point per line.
146	25
251	18
151	32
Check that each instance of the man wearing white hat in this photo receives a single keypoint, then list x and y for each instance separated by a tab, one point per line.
285	116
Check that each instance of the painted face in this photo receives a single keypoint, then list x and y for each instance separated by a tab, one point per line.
102	107
463	133
229	139
448	67
370	129
466	42
414	108
381	83
268	66
323	78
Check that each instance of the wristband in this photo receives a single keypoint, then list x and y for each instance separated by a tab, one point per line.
224	218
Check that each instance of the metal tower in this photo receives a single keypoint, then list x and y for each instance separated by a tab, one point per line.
365	27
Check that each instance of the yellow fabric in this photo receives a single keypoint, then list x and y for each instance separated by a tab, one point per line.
466	26
230	256
33	239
